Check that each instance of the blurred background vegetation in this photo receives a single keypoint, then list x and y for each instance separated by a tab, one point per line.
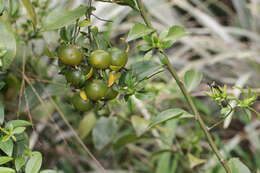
223	43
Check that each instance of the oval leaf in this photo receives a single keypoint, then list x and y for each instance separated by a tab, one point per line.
236	166
173	34
34	163
140	125
104	132
168	115
138	30
31	12
7	147
5	159
19	163
6	170
87	124
56	20
192	79
18	123
8	44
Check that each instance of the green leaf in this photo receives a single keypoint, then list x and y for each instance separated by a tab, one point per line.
104	132
130	3
2	6
140	125
168	115
7	42
34	163
49	171
124	139
194	161
192	79
6	170
86	125
31	12
84	23
2	113
139	30
173	34
236	166
145	69
19	163
18	123
2	84
7	147
5	159
19	130
163	164
58	19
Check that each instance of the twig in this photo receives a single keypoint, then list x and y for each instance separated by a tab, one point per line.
187	96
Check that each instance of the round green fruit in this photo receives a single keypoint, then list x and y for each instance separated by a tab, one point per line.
100	59
80	104
70	55
74	77
96	90
119	58
111	94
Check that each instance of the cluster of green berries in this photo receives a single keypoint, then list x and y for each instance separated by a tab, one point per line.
86	73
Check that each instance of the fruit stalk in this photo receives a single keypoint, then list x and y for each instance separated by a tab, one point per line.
187	95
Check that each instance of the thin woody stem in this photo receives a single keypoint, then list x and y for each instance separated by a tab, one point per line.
187	95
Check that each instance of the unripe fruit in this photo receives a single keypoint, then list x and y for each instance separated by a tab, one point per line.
119	59
80	104
96	90
111	94
100	59
70	55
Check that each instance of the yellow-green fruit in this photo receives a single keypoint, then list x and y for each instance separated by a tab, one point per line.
111	94
100	59
80	104
70	55
119	58
96	90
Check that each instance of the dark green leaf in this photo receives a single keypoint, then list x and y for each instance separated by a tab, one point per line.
139	30
8	43
58	19
2	84
168	115
31	12
192	79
